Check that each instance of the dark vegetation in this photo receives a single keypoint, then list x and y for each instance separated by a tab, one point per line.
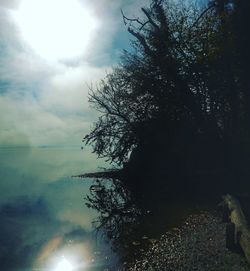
174	116
176	110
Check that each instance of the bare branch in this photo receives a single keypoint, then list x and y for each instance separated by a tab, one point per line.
149	18
141	39
125	19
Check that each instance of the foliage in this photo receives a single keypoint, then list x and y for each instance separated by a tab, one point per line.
183	83
153	82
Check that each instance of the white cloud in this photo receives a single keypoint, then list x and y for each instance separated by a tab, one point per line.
68	90
9	3
28	123
44	103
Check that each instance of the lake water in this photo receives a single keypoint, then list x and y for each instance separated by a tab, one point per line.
45	224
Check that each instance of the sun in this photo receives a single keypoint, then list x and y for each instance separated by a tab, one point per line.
56	29
64	265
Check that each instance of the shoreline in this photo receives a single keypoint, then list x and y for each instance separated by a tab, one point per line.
199	244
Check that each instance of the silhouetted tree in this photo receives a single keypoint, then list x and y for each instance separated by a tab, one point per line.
179	99
156	85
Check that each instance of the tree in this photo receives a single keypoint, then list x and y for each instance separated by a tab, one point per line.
156	83
180	94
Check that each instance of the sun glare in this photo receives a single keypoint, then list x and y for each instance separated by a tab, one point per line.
56	29
64	265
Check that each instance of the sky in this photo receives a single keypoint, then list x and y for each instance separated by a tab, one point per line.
44	101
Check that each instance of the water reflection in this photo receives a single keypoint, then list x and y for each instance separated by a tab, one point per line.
119	217
133	225
46	216
42	211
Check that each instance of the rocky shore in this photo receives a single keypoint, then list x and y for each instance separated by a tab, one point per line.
198	245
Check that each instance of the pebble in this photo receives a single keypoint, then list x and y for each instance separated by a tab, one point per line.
199	245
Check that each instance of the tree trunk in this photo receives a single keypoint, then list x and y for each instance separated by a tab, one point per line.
241	236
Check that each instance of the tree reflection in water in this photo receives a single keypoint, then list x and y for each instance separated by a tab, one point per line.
119	217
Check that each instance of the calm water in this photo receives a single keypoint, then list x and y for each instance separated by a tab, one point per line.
45	224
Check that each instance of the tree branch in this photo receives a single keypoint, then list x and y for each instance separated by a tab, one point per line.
202	14
149	18
141	39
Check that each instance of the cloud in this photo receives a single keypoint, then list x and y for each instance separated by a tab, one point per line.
41	103
9	3
45	103
28	123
